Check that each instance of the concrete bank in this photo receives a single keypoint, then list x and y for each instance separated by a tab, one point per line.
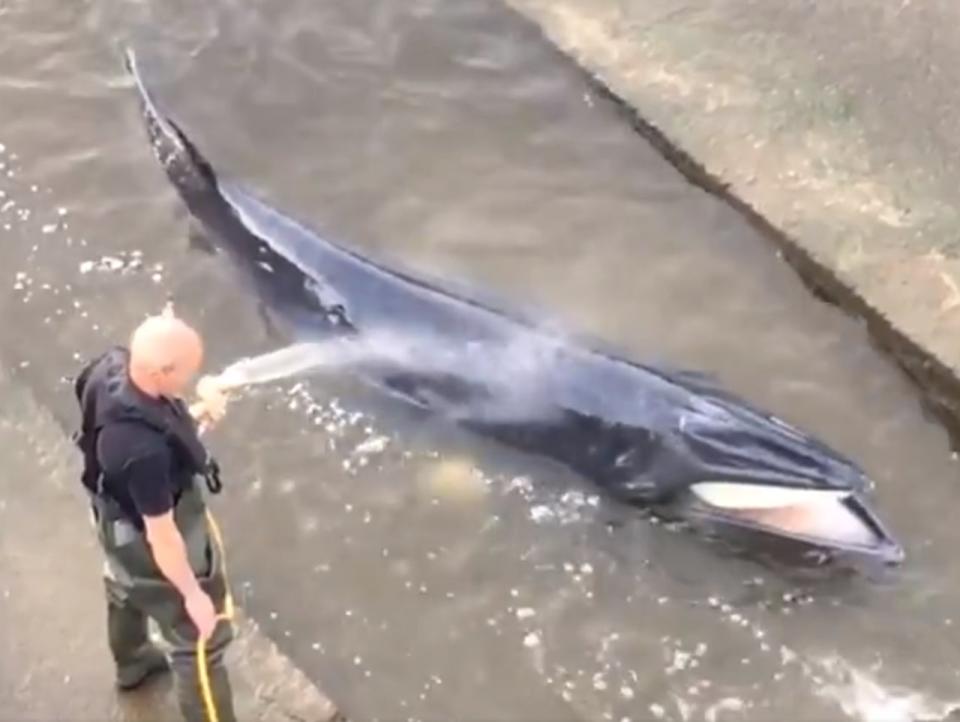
830	125
54	663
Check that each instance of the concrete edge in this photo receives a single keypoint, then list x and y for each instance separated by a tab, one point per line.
285	692
937	382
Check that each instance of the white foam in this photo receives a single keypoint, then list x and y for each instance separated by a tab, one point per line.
863	697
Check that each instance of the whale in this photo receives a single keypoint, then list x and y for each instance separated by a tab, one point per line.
669	441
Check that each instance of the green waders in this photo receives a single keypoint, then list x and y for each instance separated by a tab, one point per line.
137	590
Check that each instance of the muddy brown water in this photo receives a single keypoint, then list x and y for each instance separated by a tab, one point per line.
452	138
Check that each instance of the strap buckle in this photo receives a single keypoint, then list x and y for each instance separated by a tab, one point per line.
211	476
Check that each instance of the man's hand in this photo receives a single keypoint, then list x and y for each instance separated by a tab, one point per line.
212	405
202	613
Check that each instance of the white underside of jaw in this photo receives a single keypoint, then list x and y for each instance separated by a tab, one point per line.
815	513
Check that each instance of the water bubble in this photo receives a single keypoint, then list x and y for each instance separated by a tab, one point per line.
541	513
372	446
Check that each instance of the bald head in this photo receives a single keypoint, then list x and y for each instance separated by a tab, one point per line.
165	353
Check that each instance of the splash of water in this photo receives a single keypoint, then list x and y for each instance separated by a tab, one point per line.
517	364
864	698
402	351
293	360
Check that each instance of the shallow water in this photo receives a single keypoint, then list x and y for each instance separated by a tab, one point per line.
427	575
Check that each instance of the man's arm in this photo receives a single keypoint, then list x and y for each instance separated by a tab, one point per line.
170	553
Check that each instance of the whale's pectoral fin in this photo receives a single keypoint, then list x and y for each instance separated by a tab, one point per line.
398	388
197	238
438	392
269	325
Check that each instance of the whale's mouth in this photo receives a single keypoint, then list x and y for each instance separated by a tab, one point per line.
829	519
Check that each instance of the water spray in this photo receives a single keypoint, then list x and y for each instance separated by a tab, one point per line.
283	363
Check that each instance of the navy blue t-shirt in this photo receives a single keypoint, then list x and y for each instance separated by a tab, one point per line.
140	470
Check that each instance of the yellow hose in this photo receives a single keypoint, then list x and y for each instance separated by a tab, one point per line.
226	616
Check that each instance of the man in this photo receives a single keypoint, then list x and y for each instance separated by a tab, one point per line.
144	466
